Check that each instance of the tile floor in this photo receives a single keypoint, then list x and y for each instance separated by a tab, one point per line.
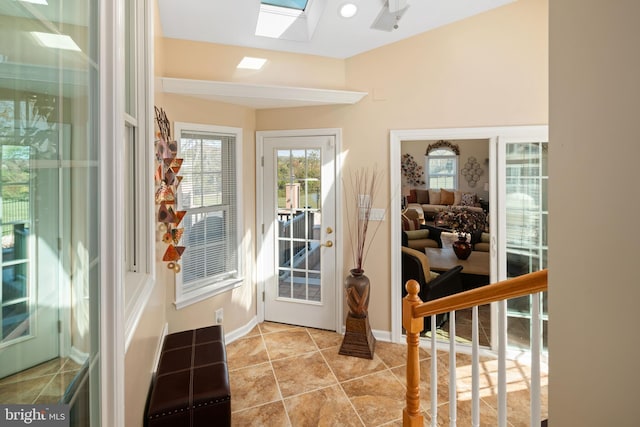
42	384
284	375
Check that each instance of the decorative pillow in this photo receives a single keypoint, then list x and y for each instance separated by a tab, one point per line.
446	197
409	224
422	196
417	234
468	199
457	197
434	197
412	198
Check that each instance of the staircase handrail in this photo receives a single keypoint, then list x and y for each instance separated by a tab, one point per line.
414	310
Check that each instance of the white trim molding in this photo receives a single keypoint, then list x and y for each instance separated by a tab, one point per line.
256	95
396	137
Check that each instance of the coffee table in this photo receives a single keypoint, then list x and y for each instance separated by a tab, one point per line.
475	269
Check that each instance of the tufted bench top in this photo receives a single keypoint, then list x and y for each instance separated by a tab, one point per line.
192	381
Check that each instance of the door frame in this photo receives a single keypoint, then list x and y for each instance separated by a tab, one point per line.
262	269
396	137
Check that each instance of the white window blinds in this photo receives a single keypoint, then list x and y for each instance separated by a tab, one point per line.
208	192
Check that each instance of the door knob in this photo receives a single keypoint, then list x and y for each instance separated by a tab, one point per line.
329	230
328	244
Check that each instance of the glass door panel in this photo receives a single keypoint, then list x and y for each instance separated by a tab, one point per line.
299	224
49	205
526	217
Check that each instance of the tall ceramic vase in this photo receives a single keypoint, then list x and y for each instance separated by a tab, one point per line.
357	287
358	339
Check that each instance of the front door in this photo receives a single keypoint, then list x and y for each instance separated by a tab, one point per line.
298	252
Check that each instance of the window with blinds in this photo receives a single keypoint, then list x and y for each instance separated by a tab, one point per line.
209	195
441	166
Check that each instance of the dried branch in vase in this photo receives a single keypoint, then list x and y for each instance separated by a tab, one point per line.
360	193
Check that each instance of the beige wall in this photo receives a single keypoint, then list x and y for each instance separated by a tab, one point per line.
208	61
490	70
239	305
594	149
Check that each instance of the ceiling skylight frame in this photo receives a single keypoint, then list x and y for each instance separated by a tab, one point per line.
287	4
289	23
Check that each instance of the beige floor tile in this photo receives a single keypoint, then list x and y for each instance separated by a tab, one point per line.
46	368
325	339
269	327
24	392
349	367
246	352
289	343
325	407
253	386
270	415
394	355
378	398
302	374
488	416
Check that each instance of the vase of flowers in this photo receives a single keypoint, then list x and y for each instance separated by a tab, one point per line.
463	221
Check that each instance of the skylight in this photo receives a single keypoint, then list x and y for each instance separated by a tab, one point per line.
289	19
55	41
290	4
250	63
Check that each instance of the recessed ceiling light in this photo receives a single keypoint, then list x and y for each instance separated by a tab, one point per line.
348	10
249	63
55	41
44	2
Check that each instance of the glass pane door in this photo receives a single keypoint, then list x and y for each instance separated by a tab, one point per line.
299	216
299	219
526	210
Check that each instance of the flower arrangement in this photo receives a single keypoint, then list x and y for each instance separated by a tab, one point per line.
463	220
360	193
411	171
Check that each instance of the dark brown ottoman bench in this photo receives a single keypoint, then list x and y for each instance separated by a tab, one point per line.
191	386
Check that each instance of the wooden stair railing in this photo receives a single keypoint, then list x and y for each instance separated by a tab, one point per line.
414	310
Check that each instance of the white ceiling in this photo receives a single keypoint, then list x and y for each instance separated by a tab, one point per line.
233	22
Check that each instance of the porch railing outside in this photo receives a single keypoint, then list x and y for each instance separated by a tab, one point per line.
413	312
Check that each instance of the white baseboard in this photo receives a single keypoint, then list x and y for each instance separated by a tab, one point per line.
78	356
240	332
156	359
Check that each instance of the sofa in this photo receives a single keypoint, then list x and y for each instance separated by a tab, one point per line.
429	202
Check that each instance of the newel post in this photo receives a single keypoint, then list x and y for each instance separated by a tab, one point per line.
411	415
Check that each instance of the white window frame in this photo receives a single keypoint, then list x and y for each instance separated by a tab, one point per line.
139	276
453	156
210	286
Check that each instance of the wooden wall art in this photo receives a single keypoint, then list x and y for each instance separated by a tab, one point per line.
167	181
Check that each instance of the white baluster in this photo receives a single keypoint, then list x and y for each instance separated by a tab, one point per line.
453	400
536	338
502	365
475	369
434	375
